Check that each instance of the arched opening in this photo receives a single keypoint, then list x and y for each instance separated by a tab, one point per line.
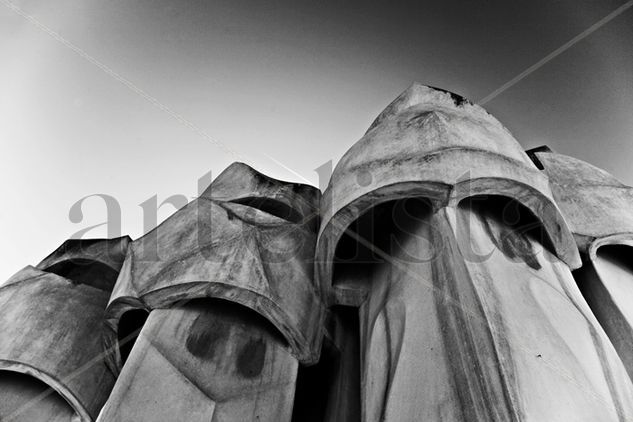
86	271
387	237
617	256
511	226
26	398
615	264
375	236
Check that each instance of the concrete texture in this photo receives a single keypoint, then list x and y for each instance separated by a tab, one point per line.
438	287
446	236
25	398
110	252
205	361
595	204
469	318
599	210
248	239
433	144
51	328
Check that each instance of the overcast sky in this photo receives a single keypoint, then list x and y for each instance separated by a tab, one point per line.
135	98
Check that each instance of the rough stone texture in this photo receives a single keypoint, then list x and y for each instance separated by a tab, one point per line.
599	210
110	252
20	392
443	292
51	325
248	239
467	317
597	206
205	361
439	227
433	144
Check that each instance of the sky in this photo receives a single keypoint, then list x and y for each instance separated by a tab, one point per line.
133	99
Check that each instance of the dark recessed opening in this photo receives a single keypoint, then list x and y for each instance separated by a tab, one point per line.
330	390
619	255
271	206
313	385
86	271
588	280
376	235
130	326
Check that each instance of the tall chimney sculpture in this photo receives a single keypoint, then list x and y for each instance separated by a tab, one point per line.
233	308
443	233
445	275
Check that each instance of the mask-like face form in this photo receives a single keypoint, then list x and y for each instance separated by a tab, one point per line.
51	354
458	261
233	309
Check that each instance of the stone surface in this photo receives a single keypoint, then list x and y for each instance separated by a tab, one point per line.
247	242
595	204
467	318
599	210
433	144
441	230
205	361
248	239
437	287
51	325
25	398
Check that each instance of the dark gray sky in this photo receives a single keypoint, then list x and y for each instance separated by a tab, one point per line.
294	82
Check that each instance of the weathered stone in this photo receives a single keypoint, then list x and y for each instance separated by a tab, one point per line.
25	398
248	240
51	330
433	144
440	289
205	361
437	225
599	210
595	204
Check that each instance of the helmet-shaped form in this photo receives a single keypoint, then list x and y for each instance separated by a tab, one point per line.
597	206
248	239
51	324
434	144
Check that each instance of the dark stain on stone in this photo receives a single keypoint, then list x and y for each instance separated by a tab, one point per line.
512	242
250	360
510	229
205	335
